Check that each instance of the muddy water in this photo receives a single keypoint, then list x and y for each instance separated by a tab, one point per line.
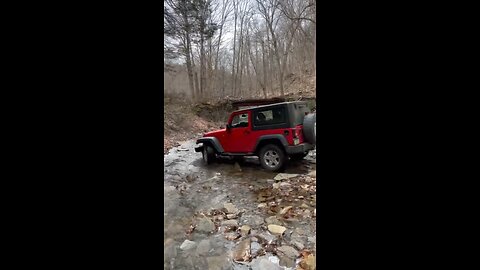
190	188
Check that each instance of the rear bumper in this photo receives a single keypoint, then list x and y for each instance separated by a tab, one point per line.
301	148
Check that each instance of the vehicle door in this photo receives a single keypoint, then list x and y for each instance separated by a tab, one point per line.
239	134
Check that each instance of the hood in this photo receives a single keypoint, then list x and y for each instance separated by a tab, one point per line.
214	133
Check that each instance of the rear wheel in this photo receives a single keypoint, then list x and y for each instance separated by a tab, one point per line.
208	154
272	157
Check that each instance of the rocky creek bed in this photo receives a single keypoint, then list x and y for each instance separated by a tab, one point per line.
238	216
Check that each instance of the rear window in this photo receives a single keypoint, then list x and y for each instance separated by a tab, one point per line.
300	111
271	116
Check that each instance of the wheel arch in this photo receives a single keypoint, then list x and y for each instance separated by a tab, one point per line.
276	139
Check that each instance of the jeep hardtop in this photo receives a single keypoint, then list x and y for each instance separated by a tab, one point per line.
274	133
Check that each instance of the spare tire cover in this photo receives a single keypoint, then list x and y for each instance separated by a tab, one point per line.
309	128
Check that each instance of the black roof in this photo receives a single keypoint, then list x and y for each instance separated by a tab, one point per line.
270	105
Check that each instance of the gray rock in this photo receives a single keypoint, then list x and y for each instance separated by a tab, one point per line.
289	251
253	220
272	220
263	263
187	245
230	207
283	176
267	237
286	261
312	239
245	230
285	184
203	247
298	245
231	216
255	247
205	225
231	222
217	263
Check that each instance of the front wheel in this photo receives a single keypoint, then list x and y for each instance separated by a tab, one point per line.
208	154
272	158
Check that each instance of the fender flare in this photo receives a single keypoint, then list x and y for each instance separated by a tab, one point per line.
279	137
214	141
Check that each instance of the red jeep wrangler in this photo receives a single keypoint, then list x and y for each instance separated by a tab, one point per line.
272	132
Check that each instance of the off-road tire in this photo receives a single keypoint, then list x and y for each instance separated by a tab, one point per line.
309	128
208	155
298	156
272	158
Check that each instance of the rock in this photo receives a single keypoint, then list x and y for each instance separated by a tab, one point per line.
308	263
262	205
285	184
272	220
205	225
232	236
231	222
313	174
298	245
217	263
231	216
203	247
285	210
245	229
255	247
276	229
268	237
253	220
218	217
314	212
169	188
230	207
299	231
286	261
311	239
169	249
289	251
276	185
237	167
242	252
304	205
307	213
283	176
263	263
187	245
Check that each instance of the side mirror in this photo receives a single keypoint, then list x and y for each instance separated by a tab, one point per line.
228	126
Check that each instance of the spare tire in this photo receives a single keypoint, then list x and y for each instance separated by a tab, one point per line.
309	128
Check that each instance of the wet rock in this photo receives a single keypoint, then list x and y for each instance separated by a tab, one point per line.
245	229
276	229
230	207
255	247
272	220
187	245
283	176
205	225
289	251
242	252
264	263
203	247
308	263
285	210
231	222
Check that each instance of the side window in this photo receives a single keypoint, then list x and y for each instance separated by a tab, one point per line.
270	117
240	120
